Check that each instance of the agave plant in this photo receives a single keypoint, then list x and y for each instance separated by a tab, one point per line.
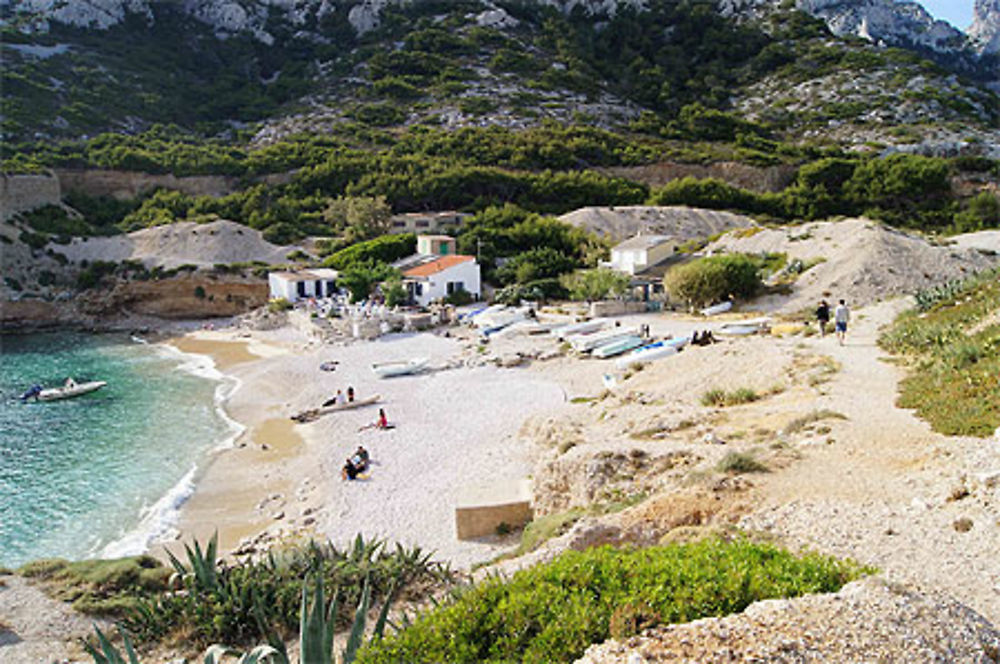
203	571
316	628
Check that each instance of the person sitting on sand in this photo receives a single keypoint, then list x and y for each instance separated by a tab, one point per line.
360	459
381	423
349	471
350	394
70	383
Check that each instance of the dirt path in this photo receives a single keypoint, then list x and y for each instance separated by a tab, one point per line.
35	628
889	491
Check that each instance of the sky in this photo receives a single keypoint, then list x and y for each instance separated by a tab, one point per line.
956	12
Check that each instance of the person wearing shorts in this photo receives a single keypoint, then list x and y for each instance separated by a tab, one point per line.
841	316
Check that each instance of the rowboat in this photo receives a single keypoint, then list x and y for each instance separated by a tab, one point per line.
390	369
69	391
745	327
717	308
584	343
579	328
316	413
618	347
649	353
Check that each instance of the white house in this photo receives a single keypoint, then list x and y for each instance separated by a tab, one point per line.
432	278
640	252
303	284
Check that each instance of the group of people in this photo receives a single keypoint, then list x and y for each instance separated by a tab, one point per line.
841	316
355	464
340	398
703	339
359	461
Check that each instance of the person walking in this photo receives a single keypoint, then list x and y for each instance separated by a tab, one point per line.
841	316
822	316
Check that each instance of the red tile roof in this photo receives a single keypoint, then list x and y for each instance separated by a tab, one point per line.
437	265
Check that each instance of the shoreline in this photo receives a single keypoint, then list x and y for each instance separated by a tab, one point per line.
280	481
227	499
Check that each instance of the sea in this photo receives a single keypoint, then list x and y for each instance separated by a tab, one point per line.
103	474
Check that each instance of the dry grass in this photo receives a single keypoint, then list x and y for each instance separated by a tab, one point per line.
805	421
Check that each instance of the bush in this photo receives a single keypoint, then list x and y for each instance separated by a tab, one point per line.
738	463
278	305
385	249
459	298
596	284
553	612
712	279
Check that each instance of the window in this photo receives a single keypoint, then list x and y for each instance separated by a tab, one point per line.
454	287
300	288
399	224
418	289
423	223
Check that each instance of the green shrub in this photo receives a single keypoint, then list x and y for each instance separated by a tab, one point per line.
279	304
199	292
718	397
738	463
714	278
597	284
553	612
459	298
385	249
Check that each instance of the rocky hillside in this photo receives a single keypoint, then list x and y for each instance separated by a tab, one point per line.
293	66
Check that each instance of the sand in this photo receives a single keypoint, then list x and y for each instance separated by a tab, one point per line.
453	428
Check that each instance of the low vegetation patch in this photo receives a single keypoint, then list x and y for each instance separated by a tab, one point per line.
553	612
203	600
953	354
804	421
720	397
738	463
100	587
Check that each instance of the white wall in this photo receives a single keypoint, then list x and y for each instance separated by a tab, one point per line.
436	287
289	289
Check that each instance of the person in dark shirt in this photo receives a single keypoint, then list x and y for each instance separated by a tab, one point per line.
822	316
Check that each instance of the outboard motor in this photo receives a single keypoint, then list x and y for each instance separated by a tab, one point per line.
32	393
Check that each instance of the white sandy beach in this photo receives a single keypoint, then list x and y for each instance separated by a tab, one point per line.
453	428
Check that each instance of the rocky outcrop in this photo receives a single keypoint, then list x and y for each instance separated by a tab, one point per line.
890	22
985	28
189	296
23	193
868	620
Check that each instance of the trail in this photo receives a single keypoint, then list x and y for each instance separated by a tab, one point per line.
884	493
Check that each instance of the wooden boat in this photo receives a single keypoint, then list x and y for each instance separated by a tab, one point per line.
717	308
390	369
618	346
649	353
584	343
69	391
579	328
315	413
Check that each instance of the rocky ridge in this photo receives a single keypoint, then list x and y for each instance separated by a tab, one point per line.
879	21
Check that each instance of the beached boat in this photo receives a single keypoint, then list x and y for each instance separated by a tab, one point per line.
585	327
618	346
745	327
390	369
717	308
649	353
316	413
64	392
585	343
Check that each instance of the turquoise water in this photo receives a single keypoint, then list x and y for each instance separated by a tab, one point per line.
101	474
